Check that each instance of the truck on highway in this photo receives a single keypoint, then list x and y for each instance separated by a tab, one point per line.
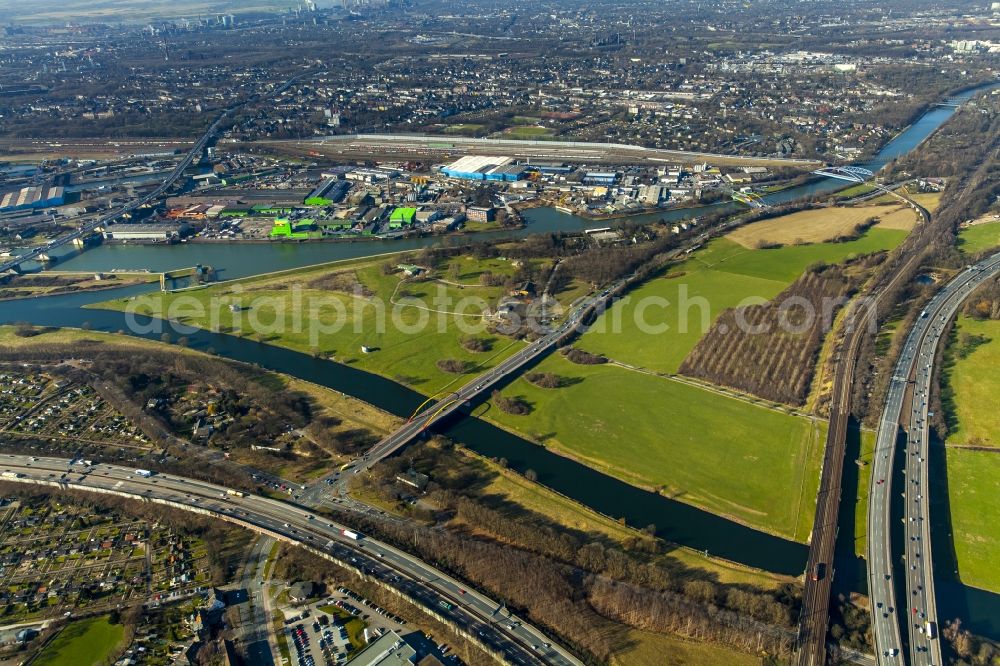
144	473
11	475
446	605
930	630
350	534
236	493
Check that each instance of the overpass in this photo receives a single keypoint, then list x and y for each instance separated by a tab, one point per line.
480	619
904	428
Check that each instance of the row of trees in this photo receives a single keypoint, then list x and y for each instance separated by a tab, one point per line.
563	598
770	350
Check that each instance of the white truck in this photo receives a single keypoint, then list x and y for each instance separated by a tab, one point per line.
11	475
350	535
144	473
930	630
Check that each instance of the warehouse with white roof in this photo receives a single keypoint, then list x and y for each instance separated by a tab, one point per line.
485	167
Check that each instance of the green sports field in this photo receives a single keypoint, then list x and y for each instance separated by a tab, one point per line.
87	641
974	494
726	455
980	237
689	297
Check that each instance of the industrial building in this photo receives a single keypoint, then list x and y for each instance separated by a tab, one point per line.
160	233
485	167
600	178
330	190
481	214
32	197
401	217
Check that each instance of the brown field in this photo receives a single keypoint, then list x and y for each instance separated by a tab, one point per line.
820	225
773	353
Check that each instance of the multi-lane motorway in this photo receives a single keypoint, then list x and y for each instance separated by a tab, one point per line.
482	618
904	427
820	566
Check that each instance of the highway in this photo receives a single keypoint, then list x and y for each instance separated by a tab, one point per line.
820	568
482	618
255	618
905	420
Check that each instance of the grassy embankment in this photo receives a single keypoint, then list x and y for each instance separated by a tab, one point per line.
89	641
979	237
864	485
973	455
651	649
372	309
513	488
737	457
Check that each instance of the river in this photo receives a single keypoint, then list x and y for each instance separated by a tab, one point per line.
676	521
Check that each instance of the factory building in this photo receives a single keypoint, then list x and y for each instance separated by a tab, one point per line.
330	190
481	214
402	217
485	167
600	178
157	233
32	197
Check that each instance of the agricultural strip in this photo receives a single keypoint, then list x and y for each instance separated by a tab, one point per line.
664	318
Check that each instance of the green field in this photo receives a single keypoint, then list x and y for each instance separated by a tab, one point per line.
691	296
463	128
974	475
318	310
980	237
526	132
87	641
975	385
649	649
861	501
726	455
974	494
355	626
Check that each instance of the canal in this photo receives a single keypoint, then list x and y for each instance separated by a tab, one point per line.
676	521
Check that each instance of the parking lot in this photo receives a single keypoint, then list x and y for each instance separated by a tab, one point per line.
318	640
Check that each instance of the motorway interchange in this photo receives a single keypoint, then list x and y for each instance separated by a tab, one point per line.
484	619
906	407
